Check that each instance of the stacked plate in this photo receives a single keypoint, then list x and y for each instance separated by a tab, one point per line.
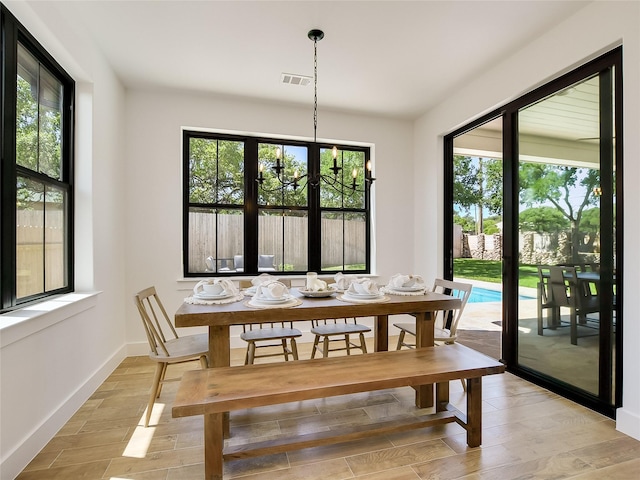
263	301
412	288
362	296
210	296
317	294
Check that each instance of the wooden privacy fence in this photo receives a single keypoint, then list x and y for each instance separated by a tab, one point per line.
339	238
40	251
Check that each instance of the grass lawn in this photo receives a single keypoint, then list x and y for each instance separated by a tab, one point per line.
491	271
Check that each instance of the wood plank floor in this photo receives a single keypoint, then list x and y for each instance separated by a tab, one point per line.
528	433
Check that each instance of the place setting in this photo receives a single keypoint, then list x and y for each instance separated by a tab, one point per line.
257	281
272	294
363	290
400	284
316	288
214	292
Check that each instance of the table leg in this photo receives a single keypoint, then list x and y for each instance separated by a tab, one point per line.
381	334
219	348
220	356
474	411
213	445
424	339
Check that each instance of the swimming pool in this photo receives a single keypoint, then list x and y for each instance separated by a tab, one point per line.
479	295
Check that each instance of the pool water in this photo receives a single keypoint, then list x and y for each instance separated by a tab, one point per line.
479	295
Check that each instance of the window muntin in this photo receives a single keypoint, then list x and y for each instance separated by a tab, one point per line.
281	228
36	171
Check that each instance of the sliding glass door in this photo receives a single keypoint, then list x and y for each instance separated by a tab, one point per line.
566	226
561	231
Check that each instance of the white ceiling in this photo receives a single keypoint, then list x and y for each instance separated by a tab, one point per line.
390	58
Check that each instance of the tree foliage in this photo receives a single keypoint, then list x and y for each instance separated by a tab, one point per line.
543	220
569	189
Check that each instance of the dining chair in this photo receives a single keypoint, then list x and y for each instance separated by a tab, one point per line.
281	335
166	346
337	330
445	322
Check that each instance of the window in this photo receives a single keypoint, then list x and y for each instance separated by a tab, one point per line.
36	171
309	212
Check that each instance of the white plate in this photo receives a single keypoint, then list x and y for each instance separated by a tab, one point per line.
319	294
272	301
363	296
412	288
208	296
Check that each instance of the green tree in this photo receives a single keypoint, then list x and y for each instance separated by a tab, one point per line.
467	223
568	189
543	220
478	183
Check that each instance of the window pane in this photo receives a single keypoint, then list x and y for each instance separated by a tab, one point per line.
50	96
344	241
216	171
39	117
27	110
215	238
29	238
353	162
283	234
339	190
293	164
55	238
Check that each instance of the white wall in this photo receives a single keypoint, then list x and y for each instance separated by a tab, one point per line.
589	33
53	362
154	175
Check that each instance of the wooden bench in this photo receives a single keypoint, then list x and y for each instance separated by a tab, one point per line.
212	392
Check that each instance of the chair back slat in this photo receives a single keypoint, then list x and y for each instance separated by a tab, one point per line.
449	319
154	319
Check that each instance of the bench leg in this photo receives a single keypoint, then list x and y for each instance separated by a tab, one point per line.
474	411
213	445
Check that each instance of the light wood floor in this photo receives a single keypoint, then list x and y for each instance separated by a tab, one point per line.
528	433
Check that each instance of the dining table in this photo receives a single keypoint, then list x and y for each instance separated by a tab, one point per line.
220	317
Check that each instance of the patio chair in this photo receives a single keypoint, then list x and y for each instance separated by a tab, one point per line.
166	348
269	335
561	287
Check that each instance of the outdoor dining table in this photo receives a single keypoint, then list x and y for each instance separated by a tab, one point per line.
219	318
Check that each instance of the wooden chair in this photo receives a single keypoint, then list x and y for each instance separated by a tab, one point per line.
166	347
446	321
269	335
337	330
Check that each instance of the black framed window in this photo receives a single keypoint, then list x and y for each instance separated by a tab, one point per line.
308	212
36	217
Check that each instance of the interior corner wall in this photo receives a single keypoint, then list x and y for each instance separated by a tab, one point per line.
154	121
50	370
595	29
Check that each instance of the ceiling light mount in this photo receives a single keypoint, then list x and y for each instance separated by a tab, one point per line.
315	35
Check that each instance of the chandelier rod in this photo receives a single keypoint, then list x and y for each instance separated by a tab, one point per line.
315	35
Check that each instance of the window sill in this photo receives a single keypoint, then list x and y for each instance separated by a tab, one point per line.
19	324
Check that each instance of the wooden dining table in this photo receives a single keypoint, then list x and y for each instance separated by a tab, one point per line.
219	319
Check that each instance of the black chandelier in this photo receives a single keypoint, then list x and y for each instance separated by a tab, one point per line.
334	180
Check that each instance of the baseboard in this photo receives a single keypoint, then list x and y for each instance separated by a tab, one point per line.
15	461
628	423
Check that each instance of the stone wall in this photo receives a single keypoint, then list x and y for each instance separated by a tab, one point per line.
535	248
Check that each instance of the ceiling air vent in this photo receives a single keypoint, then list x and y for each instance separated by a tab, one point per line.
295	79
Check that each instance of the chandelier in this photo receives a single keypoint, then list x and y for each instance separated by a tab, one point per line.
335	181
